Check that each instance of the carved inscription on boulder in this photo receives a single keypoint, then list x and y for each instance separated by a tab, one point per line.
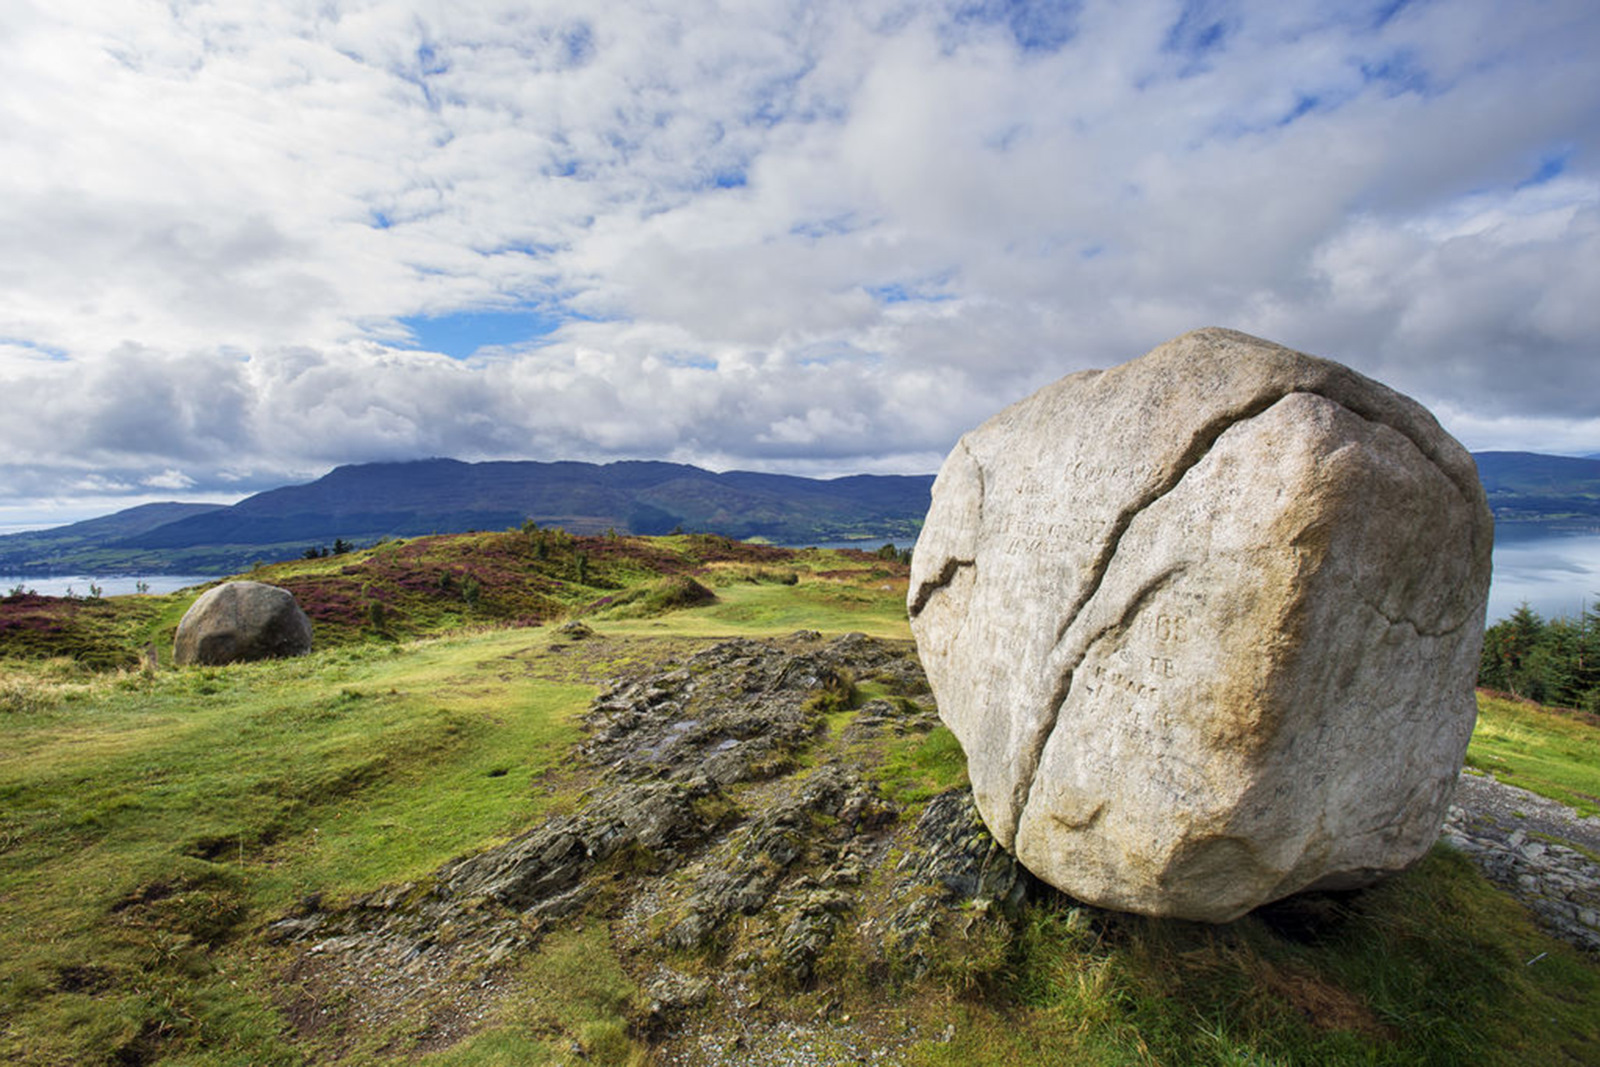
1207	625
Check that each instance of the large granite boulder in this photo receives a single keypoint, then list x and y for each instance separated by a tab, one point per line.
240	621
1207	625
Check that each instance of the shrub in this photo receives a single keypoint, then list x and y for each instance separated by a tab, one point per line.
19	697
892	554
837	693
672	593
754	575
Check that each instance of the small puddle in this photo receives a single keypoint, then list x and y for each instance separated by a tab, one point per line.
674	733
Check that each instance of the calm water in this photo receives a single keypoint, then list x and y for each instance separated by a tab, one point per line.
865	546
115	585
1556	573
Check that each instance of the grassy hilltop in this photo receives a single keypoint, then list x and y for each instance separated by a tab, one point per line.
154	822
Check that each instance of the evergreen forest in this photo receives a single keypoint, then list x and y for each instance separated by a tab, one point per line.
1551	661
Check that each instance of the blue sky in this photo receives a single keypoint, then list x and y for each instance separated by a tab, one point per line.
241	243
463	334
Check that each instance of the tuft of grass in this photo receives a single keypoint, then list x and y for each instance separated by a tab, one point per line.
919	767
1428	968
674	592
22	696
835	695
571	1004
727	574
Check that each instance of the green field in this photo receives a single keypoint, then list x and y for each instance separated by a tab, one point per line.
1549	752
154	820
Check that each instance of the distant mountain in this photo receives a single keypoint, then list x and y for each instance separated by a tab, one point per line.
1530	487
57	549
364	503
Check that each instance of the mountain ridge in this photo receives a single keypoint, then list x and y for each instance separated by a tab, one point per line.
364	503
1532	487
361	503
78	539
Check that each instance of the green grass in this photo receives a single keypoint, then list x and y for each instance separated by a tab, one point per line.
152	823
919	768
1429	968
570	1007
1550	753
758	610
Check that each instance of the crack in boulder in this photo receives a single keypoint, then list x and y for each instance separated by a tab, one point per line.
946	575
1034	754
1200	445
1263	633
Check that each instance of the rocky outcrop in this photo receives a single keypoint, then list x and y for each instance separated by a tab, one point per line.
721	816
1206	625
739	840
1537	850
241	621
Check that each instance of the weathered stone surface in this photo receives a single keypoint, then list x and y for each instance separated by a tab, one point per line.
239	621
720	816
1207	625
1539	851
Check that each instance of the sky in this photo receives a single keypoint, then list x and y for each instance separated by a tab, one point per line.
242	243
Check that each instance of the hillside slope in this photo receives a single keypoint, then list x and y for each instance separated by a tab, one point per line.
1529	487
366	503
374	500
59	548
717	829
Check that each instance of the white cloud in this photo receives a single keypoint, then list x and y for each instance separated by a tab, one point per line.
171	478
810	236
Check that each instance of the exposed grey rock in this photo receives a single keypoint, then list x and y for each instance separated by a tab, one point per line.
1207	625
953	860
658	817
1555	875
815	914
711	818
742	875
241	621
955	851
669	993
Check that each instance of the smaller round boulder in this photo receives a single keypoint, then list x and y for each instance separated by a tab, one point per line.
241	621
